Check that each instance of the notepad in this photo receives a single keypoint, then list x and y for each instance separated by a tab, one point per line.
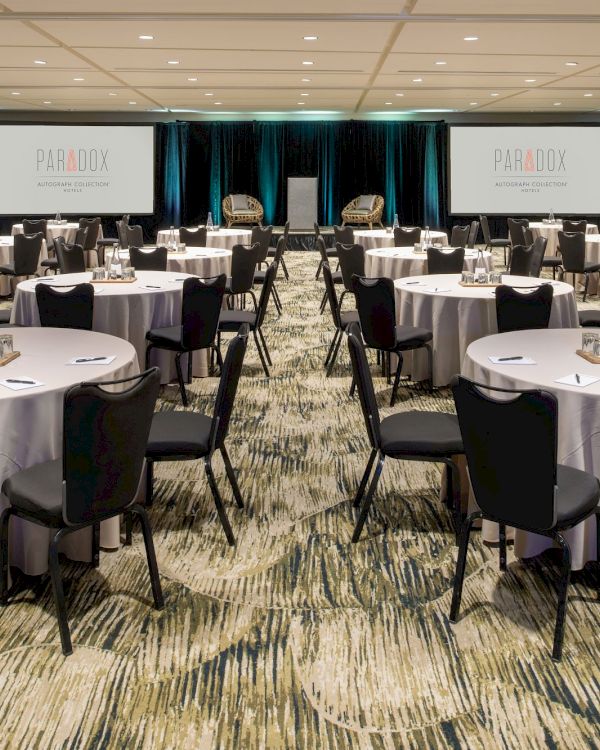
584	380
91	359
503	359
20	386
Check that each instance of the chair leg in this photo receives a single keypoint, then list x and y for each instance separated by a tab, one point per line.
319	267
251	293
150	556
334	355
128	528
332	346
460	564
96	545
561	613
585	288
352	387
149	483
231	476
502	546
148	349
59	594
277	300
219	503
368	500
453	493
190	364
285	271
184	397
260	354
265	347
388	366
429	351
323	303
4	522
217	351
396	379
365	478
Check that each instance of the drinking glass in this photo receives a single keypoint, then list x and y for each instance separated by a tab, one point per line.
98	274
6	345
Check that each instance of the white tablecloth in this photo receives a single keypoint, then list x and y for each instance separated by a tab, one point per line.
124	310
397	262
224	238
204	262
578	413
68	231
460	316
550	231
7	243
31	422
373	238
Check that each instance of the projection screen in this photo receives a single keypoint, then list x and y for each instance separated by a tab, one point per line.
524	170
76	169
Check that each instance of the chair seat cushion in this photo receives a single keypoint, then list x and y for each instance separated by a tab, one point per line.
552	260
421	433
586	318
349	316
244	212
259	277
178	433
337	277
411	336
9	270
592	267
359	211
239	203
5	315
231	320
50	263
500	243
331	252
37	491
577	496
365	203
167	338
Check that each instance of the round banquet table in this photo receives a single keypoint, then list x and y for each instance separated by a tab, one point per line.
550	232
32	423
223	238
124	310
204	262
578	413
459	315
396	262
67	230
373	238
7	244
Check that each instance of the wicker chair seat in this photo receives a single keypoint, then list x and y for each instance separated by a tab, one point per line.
353	215
252	216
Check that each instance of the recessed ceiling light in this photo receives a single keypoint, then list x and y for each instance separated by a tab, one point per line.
388	102
571	64
307	62
218	102
471	38
209	93
192	79
40	62
310	38
494	94
441	62
417	80
557	104
530	80
132	102
47	102
172	62
399	94
145	37
16	93
303	94
300	102
473	104
306	80
79	79
588	95
111	93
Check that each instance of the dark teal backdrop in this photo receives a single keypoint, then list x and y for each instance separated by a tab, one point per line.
201	162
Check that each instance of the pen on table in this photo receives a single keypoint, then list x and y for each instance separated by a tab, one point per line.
14	380
411	282
89	359
508	359
577	378
150	286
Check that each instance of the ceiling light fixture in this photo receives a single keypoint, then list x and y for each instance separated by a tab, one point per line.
218	102
209	93
399	94
530	80
588	95
172	62
571	64
132	102
47	102
307	62
417	80
145	37
192	79
310	38
111	93
387	102
16	93
306	80
441	62
303	94
494	94
79	79
473	104
471	38
40	62
557	104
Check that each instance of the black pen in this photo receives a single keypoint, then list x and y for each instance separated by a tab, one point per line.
26	382
577	378
89	359
508	359
149	286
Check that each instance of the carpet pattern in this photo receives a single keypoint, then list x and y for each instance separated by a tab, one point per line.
297	638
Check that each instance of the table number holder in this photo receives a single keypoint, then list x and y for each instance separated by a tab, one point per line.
9	358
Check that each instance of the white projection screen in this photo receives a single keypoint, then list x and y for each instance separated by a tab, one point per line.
524	170
76	169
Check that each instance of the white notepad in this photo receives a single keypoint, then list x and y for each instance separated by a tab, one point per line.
503	360
571	379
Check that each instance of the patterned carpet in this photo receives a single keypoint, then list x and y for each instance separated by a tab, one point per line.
296	638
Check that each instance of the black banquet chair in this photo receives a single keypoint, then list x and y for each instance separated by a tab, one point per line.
148	260
564	496
260	275
528	260
460	235
193	237
272	251
344	235
68	307
490	244
262	236
104	440
329	252
445	261
408	435
352	263
243	268
375	300
519	310
187	436
71	258
572	249
26	255
473	232
516	231
134	235
574	226
341	319
200	309
407	237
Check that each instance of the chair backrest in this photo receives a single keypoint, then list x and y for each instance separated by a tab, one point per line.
70	258
200	310
518	310
81	237
364	384
317	229
286	234
122	234
281	243
135	236
528	236
538	249
516	231
511	452
262	236
345	235
93	229
105	434
193	237
352	262
26	253
473	232
148	260
243	266
574	226
65	307
407	237
460	235
228	385
33	226
572	248
521	259
376	310
485	228
320	246
445	261
265	293
332	297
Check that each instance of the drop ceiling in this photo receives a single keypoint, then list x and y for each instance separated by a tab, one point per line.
370	56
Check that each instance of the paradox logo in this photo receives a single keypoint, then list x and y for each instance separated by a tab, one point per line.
57	160
534	160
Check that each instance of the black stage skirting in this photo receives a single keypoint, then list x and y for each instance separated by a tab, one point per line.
304	239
